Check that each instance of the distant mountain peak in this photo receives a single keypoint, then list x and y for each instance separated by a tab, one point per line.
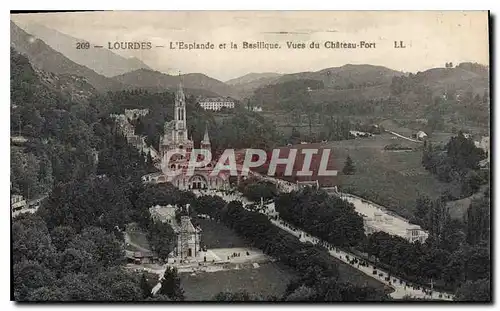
46	58
151	79
252	77
102	61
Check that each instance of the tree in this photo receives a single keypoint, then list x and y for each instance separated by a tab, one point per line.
422	207
126	291
162	238
171	285
25	168
61	236
48	293
349	168
477	263
90	202
105	248
158	297
30	275
436	121
302	293
237	296
76	261
295	136
471	183
31	240
209	205
463	154
327	217
478	221
81	287
479	290
257	190
146	288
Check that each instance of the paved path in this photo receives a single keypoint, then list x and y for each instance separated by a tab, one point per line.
129	242
401	289
404	137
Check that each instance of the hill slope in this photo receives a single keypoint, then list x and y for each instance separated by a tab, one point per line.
156	80
252	77
44	57
347	77
102	61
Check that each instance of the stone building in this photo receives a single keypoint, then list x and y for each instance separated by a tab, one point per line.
188	242
176	138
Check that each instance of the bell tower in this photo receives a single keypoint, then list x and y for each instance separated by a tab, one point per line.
180	130
205	143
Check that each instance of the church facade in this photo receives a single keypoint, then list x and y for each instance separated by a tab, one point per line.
176	137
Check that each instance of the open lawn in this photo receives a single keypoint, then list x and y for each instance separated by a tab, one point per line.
390	178
270	279
137	239
217	235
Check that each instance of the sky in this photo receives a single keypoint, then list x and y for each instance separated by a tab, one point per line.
431	38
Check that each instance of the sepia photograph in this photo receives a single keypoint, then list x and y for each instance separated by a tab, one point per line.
250	156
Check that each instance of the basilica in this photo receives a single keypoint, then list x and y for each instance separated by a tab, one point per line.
176	137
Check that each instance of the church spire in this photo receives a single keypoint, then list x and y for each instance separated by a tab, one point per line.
180	92
206	138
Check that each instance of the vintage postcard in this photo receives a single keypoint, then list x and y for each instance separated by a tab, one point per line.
306	156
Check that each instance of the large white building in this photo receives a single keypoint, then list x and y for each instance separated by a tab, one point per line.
216	103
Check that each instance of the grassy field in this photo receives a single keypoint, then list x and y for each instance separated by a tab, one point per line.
138	239
217	235
459	207
394	179
270	279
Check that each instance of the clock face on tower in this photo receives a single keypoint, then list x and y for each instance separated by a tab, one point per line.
180	125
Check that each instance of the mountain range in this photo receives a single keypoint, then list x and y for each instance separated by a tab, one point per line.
52	51
155	80
101	60
46	58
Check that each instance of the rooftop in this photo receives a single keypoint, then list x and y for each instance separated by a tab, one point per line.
216	99
166	212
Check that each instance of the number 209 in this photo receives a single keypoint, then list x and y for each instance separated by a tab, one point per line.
82	45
